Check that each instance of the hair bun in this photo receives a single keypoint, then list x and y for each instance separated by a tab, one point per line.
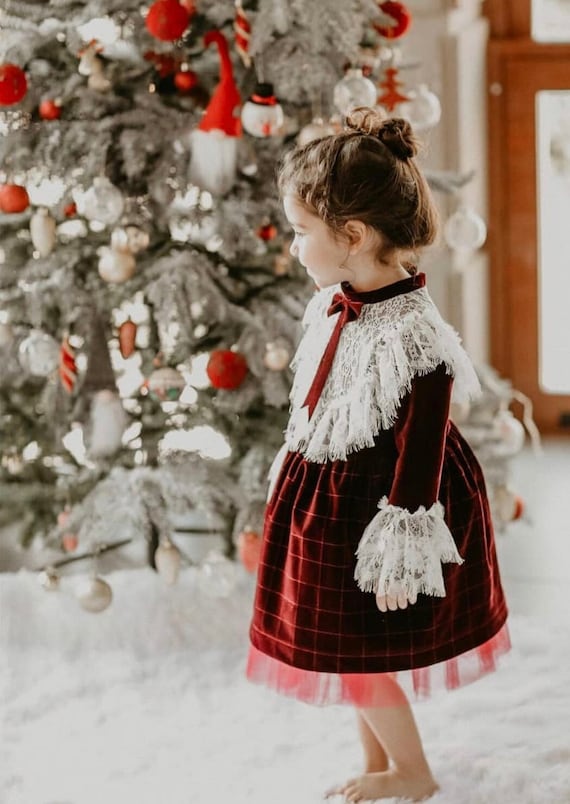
397	135
395	132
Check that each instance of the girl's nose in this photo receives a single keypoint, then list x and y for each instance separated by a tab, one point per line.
293	250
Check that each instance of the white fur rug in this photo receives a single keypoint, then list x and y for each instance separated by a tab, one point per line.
146	703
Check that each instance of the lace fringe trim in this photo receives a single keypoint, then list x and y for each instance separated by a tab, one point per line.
377	689
403	552
353	409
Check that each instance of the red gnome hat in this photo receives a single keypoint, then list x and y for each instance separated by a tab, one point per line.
219	114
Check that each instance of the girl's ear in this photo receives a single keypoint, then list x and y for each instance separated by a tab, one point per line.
356	233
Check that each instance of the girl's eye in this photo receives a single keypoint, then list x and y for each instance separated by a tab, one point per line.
298	234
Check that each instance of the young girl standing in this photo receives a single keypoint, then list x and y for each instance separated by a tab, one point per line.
378	565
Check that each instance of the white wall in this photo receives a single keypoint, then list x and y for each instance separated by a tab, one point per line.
448	38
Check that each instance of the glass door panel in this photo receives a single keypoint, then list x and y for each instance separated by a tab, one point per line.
550	20
553	246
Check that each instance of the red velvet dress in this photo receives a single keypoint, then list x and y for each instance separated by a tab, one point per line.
315	635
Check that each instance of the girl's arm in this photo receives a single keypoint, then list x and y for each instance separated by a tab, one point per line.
402	549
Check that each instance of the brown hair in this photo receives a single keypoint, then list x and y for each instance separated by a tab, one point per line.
368	173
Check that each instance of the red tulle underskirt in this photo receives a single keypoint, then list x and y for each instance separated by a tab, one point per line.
377	689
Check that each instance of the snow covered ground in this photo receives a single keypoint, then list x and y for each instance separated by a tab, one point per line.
146	703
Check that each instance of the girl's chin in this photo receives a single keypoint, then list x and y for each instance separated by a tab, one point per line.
320	281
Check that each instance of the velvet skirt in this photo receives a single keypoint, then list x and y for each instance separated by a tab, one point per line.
316	636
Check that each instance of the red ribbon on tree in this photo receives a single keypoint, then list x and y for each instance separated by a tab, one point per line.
349	311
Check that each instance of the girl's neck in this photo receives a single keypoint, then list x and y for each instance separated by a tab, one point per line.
373	276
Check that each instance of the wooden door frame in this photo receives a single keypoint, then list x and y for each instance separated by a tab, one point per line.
503	53
508	18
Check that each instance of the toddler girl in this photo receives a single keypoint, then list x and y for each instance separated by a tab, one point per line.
378	564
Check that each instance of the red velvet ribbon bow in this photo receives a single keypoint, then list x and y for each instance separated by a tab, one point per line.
349	311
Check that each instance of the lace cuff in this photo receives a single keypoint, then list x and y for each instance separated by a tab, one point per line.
400	551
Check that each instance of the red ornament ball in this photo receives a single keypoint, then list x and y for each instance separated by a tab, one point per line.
226	369
249	548
401	15
70	209
50	109
167	20
267	231
185	80
13	198
13	84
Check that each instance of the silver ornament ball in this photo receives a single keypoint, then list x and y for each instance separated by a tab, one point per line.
94	594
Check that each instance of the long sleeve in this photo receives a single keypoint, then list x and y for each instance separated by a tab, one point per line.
407	541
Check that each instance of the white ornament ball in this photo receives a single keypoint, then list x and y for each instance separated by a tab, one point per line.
115	265
465	230
42	230
354	90
39	353
167	560
277	356
94	594
314	131
166	384
103	202
423	110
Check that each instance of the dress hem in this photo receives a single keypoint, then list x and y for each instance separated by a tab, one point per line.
380	688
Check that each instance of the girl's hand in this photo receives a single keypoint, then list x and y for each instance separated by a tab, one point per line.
394	602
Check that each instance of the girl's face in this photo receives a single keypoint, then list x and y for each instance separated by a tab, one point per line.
315	244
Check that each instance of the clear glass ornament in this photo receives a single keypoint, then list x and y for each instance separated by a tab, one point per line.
354	90
314	130
166	384
423	110
465	230
103	202
39	353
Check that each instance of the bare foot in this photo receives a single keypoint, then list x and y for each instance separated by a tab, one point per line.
388	784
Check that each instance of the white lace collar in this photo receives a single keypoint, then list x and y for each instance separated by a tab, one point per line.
393	340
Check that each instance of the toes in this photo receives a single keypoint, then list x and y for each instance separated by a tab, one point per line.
352	794
337	790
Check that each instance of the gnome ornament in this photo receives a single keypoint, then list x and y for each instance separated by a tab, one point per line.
214	143
99	404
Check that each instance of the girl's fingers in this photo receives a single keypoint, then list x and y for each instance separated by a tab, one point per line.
392	602
381	602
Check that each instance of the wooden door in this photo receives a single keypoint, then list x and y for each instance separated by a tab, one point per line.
522	75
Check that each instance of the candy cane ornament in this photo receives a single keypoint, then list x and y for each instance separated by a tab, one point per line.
67	366
242	31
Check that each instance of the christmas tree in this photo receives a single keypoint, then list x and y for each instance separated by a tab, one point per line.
149	307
